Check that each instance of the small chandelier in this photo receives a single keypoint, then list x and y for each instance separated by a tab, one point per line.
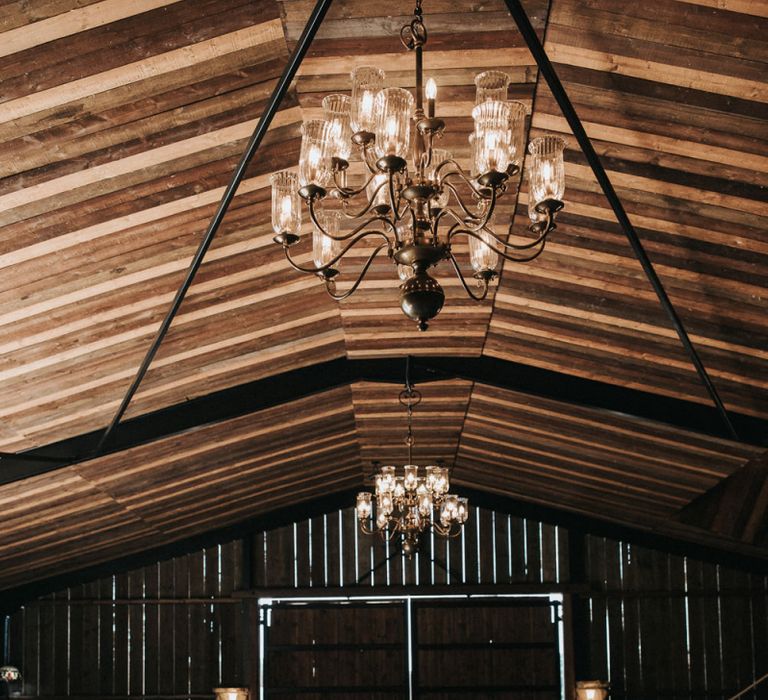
415	211
413	501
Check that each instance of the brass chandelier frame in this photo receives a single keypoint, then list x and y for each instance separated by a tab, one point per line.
412	218
411	504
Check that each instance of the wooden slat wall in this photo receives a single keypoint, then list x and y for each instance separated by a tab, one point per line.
650	612
669	626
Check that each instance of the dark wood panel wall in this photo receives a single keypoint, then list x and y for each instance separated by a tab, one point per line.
655	624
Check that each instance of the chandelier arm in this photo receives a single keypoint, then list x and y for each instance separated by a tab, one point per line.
347	192
369	262
483	222
356	230
459	173
345	250
370	203
467	232
527	246
476	297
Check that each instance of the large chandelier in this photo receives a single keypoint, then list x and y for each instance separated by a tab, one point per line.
416	199
414	500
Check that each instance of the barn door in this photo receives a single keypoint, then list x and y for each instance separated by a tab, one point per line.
336	650
502	648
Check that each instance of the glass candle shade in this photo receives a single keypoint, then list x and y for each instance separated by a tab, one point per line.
385	504
393	108
388	479
399	491
411	479
381	521
439	155
286	203
492	136
546	170
231	693
404	272
592	690
451	506
336	111
364	505
491	85
314	158
325	248
379	182
366	83
482	256
517	113
425	504
462	512
441	480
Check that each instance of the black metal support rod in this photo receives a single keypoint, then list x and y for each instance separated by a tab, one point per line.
313	23
560	95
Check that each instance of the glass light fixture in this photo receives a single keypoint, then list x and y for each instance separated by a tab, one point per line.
393	108
416	198
286	203
231	693
414	501
364	505
378	193
366	82
314	158
482	255
592	690
491	85
336	111
439	155
325	248
546	170
492	136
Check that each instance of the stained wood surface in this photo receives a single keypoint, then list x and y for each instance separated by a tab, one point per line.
120	125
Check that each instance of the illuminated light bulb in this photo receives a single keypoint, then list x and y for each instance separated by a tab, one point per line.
546	169
379	182
392	112
425	504
482	256
314	157
336	111
286	212
388	479
366	82
364	505
381	521
491	146
399	490
462	512
385	503
286	204
411	479
325	248
430	92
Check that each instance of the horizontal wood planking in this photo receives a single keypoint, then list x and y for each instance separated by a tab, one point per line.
587	460
683	148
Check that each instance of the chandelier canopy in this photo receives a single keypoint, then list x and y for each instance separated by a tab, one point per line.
416	200
411	500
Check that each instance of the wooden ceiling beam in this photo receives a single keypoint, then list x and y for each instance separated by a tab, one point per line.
294	384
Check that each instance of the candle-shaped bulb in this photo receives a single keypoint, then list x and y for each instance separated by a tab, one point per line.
430	92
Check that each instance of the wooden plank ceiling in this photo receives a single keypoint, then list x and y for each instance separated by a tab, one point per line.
120	124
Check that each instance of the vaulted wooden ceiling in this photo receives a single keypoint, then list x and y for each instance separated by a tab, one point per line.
120	125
